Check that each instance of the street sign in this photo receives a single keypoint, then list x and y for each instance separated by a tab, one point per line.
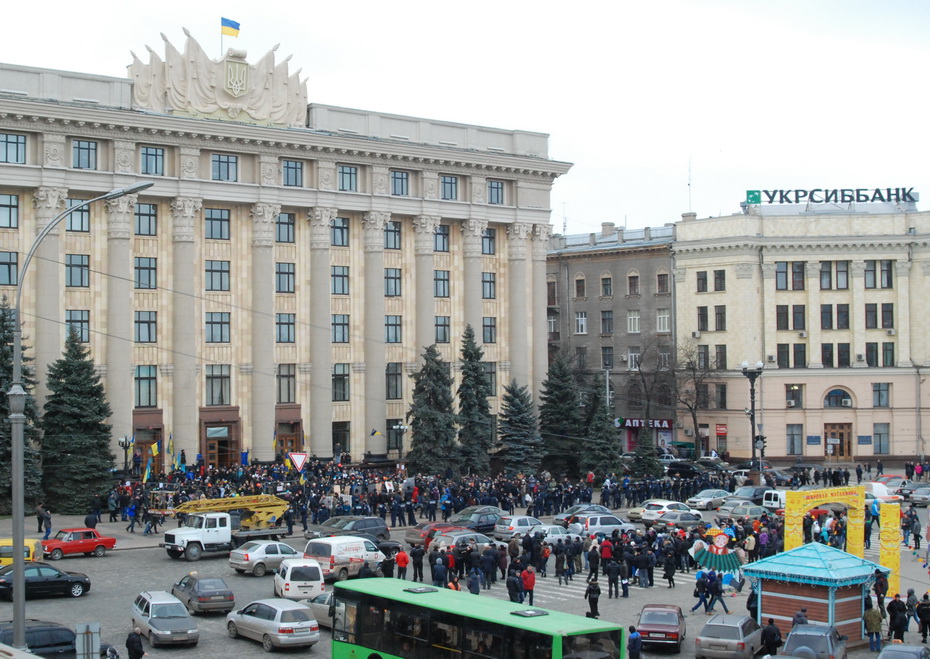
833	440
298	460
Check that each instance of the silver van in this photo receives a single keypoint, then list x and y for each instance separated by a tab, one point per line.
343	556
298	578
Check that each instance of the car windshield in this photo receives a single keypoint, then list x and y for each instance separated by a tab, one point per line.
747	491
194	522
658	618
463	517
727	632
336	522
816	642
212	584
706	494
175	610
62	535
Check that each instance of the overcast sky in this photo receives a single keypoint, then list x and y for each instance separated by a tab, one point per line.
642	97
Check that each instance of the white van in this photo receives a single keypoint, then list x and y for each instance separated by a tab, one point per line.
298	578
773	499
343	556
881	491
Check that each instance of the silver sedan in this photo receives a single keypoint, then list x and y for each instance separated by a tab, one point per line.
259	556
708	499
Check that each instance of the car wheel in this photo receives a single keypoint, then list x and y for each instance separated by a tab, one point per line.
343	574
175	553
231	629
267	644
259	570
56	554
77	589
193	552
100	551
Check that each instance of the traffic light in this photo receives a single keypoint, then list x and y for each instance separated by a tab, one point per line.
760	444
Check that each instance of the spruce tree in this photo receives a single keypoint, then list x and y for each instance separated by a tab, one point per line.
600	452
32	463
433	449
519	431
474	411
76	454
560	420
645	462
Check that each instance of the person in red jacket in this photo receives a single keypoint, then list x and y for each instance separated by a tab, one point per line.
607	553
402	559
529	582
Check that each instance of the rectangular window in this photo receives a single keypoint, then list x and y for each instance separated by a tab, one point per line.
339	232
798	316
490	374
348	178
703	357
284	228
871	315
881	438
842	275
826	275
632	321
781	317
146	220
489	242
285	277
663	320
400	183
340	327
552	322
607	322
633	357
826	316
784	355
720	280
798	275
146	272
449	186
720	357
85	154
702	399
225	167
146	326
887	315
665	359
292	173
888	353
13	148
581	322
340	279
702	281
146	386
287	384
881	394
341	436
340	382
218	384
826	355
443	329
440	283
800	355
216	224
9	211
887	281
153	160
77	270
662	283
632	284
392	282
580	288
794	395
392	329
441	238
607	358
702	319
217	328
870	274
842	355
552	294
391	235
871	354
394	381
79	219
216	276
721	390
285	327
488	285
9	268
495	192
794	434
842	316
720	318
781	276
607	286
489	329
78	320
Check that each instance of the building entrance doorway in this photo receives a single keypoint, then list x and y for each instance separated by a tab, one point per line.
222	450
837	440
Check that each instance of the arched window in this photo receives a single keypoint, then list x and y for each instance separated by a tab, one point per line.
837	398
635	395
632	283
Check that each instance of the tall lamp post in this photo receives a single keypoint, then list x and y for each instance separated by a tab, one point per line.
752	373
17	399
124	443
402	429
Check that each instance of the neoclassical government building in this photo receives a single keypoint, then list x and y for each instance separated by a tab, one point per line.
275	288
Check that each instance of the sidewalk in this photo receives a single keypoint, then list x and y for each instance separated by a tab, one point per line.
124	539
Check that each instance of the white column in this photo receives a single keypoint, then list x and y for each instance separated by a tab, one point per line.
472	232
262	400
814	336
425	226
321	370
375	405
540	345
48	332
518	303
902	313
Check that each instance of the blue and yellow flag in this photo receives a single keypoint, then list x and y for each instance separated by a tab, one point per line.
274	440
148	471
375	432
155	449
229	27
170	443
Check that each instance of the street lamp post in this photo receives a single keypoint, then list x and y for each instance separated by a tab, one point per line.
752	373
124	443
17	399
400	448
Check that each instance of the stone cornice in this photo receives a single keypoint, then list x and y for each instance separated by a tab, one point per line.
868	245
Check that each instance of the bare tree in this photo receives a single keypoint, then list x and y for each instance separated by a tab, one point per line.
694	372
649	384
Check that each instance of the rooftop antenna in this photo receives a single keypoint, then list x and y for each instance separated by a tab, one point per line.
564	221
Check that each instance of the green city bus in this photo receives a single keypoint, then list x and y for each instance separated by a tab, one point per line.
396	619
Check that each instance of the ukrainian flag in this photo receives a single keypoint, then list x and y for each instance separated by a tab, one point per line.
155	448
229	27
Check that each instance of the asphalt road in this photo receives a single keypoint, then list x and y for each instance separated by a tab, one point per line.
120	575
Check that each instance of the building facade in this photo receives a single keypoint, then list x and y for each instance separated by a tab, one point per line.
610	306
275	288
830	300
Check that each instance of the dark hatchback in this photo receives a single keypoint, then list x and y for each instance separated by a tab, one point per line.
349	525
49	639
685	470
477	518
43	580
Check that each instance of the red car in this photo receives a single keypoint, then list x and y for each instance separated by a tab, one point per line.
662	624
77	541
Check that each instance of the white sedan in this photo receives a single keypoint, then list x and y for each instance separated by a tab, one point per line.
654	510
552	533
708	499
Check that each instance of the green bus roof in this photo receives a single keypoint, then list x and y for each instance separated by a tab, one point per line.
554	623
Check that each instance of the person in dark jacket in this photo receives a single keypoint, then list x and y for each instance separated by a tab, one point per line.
440	574
669	572
513	586
134	644
593	593
923	615
613	579
634	644
897	618
800	618
366	572
594	560
771	637
715	588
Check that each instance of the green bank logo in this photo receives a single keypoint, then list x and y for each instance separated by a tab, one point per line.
753	196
